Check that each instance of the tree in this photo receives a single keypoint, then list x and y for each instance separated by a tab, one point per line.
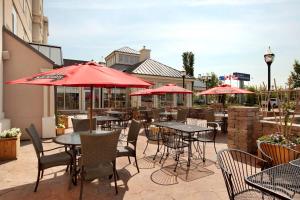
295	75
188	62
214	81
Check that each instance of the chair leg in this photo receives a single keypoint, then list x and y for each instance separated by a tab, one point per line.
67	168
162	155
38	180
137	167
146	146
204	146
115	176
42	175
215	147
81	185
129	160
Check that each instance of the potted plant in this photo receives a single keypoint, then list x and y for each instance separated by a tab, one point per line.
63	119
60	129
9	143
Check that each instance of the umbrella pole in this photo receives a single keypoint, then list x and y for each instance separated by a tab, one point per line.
91	109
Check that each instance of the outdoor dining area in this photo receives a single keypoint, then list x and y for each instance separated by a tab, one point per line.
143	153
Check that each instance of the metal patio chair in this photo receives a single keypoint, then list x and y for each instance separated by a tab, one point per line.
236	165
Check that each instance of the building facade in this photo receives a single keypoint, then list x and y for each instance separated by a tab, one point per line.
23	48
139	63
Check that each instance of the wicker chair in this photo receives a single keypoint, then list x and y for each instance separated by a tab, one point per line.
83	124
98	158
276	154
182	115
172	141
130	149
236	165
46	161
150	135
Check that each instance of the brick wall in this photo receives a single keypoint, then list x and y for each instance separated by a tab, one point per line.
243	128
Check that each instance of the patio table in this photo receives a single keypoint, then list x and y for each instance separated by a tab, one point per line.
183	128
106	119
72	140
296	162
281	181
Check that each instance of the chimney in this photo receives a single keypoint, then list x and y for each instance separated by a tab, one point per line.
144	53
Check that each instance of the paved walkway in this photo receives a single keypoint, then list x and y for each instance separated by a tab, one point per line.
204	181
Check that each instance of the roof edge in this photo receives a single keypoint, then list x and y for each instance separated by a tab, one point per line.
27	45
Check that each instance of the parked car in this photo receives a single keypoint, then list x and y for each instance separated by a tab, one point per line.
274	102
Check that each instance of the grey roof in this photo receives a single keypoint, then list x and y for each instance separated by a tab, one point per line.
199	84
150	67
127	50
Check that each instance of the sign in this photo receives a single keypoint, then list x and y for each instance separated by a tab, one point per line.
242	76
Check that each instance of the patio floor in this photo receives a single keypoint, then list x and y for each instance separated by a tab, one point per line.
201	181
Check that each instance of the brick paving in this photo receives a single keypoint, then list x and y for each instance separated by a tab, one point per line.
203	181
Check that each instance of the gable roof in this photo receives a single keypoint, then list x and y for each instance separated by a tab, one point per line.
128	50
150	67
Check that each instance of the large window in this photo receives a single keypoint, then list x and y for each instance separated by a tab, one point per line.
115	97
165	100
68	98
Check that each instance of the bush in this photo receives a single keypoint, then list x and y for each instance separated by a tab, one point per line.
10	133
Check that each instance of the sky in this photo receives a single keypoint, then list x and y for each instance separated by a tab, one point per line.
225	36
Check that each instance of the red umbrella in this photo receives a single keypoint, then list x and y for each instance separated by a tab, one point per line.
224	89
89	74
171	89
143	92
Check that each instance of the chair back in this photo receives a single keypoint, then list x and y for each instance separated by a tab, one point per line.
211	134
36	140
276	154
182	115
156	114
99	148
83	124
133	132
236	165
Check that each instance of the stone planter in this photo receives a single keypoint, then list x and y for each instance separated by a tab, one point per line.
9	148
60	131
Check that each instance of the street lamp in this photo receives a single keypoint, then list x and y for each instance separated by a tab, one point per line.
183	74
205	79
269	58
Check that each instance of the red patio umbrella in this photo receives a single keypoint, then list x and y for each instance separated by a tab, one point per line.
143	92
224	89
171	89
90	74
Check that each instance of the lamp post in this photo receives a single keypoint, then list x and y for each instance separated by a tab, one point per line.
183	74
205	79
269	58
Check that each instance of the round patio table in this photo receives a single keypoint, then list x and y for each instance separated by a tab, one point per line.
72	140
115	112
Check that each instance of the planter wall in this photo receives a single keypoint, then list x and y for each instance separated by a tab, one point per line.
9	148
60	131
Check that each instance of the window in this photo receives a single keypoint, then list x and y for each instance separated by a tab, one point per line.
115	97
67	98
14	21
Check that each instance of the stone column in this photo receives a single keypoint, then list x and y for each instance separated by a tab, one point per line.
242	128
4	123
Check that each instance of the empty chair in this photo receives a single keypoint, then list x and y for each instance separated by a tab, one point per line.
130	149
98	157
276	154
150	134
208	137
172	141
46	161
83	124
236	165
182	115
